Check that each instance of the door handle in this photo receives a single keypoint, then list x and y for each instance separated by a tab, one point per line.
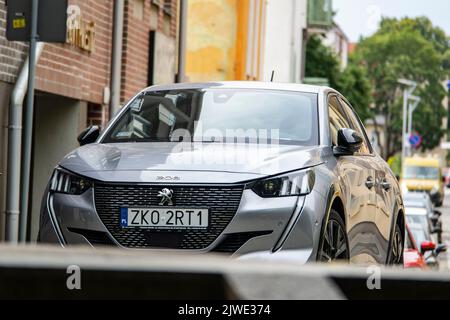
370	183
386	185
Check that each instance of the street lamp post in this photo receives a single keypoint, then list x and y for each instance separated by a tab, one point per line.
412	107
410	86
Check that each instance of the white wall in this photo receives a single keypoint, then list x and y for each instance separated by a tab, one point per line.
58	122
285	21
338	42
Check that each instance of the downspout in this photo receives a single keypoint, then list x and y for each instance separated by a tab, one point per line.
116	58
14	149
182	38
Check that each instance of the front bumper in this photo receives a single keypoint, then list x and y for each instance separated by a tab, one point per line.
279	228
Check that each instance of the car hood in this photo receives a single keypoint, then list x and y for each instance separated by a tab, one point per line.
188	162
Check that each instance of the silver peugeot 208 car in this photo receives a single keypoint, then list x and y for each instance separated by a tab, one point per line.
248	169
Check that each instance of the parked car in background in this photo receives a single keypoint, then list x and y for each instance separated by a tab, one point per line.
422	200
423	175
447	177
421	242
179	168
413	256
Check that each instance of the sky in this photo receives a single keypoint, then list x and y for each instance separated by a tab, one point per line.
361	17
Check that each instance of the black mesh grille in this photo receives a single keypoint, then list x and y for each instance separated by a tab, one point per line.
233	242
95	238
222	202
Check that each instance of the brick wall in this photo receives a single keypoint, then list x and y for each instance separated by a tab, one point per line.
64	69
12	54
137	37
72	72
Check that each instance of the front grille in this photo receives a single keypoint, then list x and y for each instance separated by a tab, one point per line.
233	242
222	201
96	238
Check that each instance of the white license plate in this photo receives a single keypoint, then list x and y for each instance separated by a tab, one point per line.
164	218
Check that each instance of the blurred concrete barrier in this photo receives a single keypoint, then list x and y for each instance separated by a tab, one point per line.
51	273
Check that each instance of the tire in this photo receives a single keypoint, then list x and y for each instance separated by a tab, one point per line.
334	245
396	248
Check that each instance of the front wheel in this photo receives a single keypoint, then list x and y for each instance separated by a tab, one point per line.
397	245
334	245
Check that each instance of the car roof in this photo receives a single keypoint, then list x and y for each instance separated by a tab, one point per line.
256	85
416	196
414	211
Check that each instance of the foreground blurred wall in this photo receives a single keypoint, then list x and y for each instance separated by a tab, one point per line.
72	82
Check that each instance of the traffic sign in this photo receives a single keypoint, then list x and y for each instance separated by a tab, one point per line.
415	140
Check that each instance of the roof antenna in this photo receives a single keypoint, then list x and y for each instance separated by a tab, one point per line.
273	76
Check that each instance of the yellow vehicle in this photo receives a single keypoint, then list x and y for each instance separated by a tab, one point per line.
423	175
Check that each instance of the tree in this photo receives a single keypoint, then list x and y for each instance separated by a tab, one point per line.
353	82
412	49
321	61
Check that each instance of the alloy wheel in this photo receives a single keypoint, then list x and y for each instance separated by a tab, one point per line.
397	248
334	244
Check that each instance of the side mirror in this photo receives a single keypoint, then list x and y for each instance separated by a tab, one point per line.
437	213
434	220
440	249
89	135
437	230
427	246
349	142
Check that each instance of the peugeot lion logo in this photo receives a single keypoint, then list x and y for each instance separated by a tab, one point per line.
166	197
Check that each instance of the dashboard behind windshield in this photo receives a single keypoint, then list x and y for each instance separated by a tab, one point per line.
219	115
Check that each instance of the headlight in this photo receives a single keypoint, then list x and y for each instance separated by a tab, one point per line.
65	182
297	183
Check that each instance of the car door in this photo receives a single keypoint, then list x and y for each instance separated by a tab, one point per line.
384	182
357	180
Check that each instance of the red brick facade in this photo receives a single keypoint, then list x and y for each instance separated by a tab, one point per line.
69	71
137	40
72	72
12	54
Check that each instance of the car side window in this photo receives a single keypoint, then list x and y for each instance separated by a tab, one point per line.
338	120
355	124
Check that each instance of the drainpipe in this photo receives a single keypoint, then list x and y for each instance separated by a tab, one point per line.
116	58
182	36
14	150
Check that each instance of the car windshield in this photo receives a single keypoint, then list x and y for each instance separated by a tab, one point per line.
423	173
419	235
219	115
414	203
418	219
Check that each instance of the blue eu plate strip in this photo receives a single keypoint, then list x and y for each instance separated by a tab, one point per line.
123	217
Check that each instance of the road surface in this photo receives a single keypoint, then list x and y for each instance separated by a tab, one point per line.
445	258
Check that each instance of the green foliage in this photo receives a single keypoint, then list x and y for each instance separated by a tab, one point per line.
395	162
412	49
321	62
353	82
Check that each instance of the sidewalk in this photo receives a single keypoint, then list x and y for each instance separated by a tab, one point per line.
445	257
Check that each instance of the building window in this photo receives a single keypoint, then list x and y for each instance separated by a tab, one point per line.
138	9
166	5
